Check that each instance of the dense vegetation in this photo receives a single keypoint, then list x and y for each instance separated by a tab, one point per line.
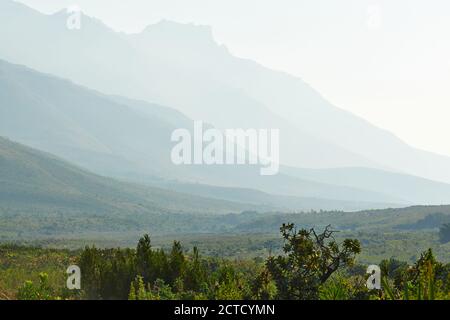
400	233
311	265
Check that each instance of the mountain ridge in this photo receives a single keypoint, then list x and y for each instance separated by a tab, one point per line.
105	135
128	139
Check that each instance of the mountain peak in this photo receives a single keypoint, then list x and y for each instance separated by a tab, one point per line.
172	30
14	7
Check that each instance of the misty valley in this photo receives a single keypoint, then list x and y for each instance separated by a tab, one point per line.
164	165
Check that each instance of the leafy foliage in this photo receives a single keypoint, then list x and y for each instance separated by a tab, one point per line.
41	291
426	280
309	261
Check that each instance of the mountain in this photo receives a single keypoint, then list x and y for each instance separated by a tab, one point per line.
130	140
210	84
38	183
42	197
396	184
281	202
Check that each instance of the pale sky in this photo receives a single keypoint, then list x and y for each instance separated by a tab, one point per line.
387	61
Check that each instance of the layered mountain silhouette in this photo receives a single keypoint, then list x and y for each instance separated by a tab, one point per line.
36	182
181	66
129	139
108	102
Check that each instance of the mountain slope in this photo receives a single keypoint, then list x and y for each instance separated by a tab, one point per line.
281	202
49	196
397	184
34	181
151	77
246	89
210	84
130	140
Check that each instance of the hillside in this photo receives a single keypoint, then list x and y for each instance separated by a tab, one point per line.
32	181
211	84
43	196
130	139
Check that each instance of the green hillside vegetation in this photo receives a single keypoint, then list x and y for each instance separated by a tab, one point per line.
47	201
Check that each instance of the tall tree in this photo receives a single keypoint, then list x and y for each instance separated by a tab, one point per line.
309	260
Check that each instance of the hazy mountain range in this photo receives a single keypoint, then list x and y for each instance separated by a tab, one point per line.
113	136
130	139
108	102
181	66
32	181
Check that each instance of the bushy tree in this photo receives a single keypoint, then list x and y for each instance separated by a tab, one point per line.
263	286
427	279
395	270
177	263
138	291
309	260
40	291
107	274
196	277
144	257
